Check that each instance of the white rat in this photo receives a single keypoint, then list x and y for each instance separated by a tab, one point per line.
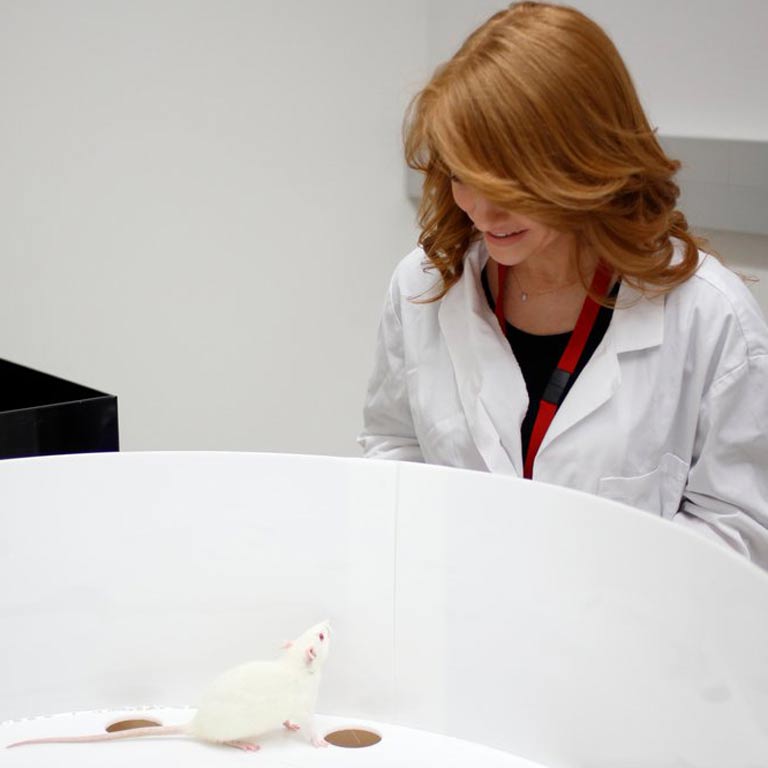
248	701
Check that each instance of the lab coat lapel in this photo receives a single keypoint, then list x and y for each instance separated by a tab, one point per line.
490	384
637	323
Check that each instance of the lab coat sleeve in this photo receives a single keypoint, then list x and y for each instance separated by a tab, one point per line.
388	430
726	496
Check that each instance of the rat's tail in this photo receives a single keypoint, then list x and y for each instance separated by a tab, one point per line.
130	733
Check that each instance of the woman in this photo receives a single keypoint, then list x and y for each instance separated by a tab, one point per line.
559	320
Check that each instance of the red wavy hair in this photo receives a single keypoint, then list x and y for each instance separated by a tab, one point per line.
537	112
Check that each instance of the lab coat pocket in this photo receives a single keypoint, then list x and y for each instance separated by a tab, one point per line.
659	491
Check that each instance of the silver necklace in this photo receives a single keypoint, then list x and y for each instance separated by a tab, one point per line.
525	294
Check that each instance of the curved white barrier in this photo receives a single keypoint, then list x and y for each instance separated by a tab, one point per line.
544	622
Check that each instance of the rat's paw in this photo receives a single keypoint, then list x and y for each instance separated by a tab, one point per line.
246	746
291	726
319	741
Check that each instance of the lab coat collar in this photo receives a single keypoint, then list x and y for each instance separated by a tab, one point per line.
491	386
637	323
638	320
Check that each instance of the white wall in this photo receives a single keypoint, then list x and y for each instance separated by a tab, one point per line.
202	200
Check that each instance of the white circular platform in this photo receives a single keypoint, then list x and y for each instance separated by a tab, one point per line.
399	747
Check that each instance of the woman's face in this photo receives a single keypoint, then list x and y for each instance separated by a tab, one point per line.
511	238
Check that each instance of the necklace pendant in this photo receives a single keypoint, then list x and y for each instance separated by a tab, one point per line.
523	296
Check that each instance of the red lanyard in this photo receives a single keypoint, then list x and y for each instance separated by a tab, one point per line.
555	389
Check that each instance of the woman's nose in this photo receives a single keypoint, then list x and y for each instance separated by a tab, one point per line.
482	206
484	211
467	198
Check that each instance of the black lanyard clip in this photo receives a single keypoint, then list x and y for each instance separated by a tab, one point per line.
555	389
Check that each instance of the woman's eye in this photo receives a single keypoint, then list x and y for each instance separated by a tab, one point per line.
454	178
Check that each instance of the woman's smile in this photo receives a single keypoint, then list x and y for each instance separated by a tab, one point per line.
504	238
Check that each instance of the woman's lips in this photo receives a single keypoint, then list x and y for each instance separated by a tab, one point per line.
504	238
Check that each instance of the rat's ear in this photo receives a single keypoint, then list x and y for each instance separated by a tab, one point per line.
288	645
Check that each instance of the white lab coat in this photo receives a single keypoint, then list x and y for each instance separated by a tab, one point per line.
670	415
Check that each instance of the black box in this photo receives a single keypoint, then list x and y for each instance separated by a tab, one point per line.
42	415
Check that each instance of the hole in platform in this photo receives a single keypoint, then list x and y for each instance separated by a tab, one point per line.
127	725
353	738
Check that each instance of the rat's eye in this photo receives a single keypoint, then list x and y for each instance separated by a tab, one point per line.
321	636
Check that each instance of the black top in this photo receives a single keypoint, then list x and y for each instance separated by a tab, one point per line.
538	357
